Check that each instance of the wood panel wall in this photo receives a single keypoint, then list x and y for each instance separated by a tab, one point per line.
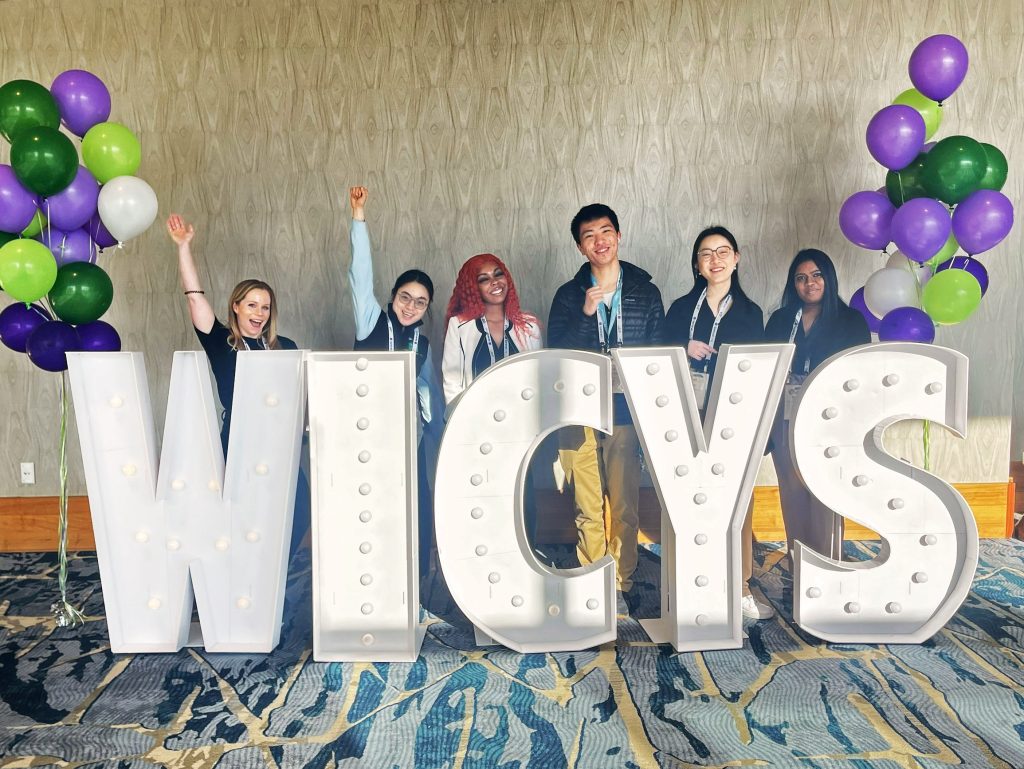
483	126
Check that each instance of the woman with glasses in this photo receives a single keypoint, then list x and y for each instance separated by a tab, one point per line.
397	326
820	324
716	311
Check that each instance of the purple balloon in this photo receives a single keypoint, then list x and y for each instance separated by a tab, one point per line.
67	247
938	66
895	136
17	203
17	322
82	98
75	205
865	219
973	266
982	220
99	233
98	336
48	345
857	302
906	324
920	228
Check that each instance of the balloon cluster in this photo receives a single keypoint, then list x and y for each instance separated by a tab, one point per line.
56	215
938	197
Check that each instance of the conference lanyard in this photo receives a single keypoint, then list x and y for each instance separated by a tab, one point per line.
614	311
723	308
490	342
792	336
391	337
259	344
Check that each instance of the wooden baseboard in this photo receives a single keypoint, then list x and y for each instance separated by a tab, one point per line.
30	523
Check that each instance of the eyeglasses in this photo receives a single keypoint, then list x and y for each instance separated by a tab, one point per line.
405	299
723	252
801	278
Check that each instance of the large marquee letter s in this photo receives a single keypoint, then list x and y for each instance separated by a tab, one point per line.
481	539
929	535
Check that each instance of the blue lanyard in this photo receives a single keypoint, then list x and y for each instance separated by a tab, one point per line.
391	337
613	314
723	308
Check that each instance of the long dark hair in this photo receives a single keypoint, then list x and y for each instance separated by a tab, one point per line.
830	301
699	282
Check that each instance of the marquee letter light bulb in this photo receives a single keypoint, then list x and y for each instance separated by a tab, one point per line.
929	536
488	563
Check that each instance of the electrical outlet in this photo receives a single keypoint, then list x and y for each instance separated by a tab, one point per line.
28	473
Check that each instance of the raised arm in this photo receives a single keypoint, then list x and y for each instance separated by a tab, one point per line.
199	306
360	272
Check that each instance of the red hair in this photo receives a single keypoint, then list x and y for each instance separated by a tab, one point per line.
466	303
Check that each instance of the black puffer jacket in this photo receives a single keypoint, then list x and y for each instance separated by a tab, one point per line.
643	314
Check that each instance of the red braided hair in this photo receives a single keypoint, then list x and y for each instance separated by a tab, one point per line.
466	303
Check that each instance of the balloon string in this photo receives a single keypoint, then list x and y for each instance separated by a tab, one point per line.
927	435
65	614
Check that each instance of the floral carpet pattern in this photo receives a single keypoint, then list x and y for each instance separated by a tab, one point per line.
784	700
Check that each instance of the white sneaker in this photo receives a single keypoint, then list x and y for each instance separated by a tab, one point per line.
754	609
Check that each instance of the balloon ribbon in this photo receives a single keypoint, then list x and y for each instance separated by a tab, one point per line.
64	613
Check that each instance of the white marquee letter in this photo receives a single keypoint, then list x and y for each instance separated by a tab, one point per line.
929	535
490	568
363	422
156	524
704	474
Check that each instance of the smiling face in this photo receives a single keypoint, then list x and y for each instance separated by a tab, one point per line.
716	260
809	283
599	242
409	302
252	312
492	282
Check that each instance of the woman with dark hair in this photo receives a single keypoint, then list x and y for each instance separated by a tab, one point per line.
716	311
820	324
252	325
485	323
397	326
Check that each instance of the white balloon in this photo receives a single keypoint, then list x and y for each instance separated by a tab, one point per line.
889	288
127	206
899	259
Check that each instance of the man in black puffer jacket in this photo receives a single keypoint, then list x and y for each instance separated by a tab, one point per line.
607	304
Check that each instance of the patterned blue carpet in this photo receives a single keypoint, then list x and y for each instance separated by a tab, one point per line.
784	700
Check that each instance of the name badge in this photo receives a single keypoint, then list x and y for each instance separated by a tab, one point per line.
791	394
700	387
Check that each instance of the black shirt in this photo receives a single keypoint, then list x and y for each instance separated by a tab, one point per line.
223	358
482	354
743	323
826	337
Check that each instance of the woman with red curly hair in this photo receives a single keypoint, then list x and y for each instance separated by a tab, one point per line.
485	323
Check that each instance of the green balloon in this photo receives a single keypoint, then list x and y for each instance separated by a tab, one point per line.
946	252
930	110
907	183
109	150
26	104
81	293
27	269
44	160
35	226
954	168
951	296
995	169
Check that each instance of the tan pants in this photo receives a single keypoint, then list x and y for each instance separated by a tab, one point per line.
588	458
